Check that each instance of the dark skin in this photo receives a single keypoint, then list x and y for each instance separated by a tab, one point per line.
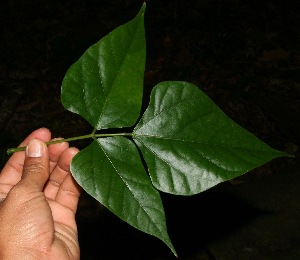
38	202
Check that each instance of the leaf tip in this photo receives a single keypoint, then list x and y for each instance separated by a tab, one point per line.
143	8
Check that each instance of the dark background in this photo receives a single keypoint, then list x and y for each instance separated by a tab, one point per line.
244	54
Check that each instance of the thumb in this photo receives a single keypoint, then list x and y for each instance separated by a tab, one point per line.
36	165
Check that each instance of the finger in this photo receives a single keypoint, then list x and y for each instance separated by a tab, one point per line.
68	193
55	152
65	206
59	173
12	171
36	166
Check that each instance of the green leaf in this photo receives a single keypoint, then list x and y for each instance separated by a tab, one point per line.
110	170
190	145
105	85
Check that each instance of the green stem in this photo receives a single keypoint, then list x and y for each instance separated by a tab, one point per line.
92	135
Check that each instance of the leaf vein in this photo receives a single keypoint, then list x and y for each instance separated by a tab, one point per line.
162	111
117	73
198	152
142	207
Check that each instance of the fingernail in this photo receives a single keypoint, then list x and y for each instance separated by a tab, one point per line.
35	148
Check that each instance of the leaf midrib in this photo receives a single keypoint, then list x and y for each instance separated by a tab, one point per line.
136	136
117	171
98	126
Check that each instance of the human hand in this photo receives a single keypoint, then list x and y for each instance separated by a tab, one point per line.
38	202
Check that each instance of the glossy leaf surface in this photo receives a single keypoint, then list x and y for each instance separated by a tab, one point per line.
110	170
105	85
190	145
